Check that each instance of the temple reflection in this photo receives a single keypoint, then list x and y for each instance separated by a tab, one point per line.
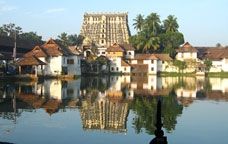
105	102
104	114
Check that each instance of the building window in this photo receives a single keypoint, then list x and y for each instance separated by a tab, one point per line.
112	68
129	53
102	41
125	69
64	60
163	62
152	61
117	69
103	52
70	61
152	69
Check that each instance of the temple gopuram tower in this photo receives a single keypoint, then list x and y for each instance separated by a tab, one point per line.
106	29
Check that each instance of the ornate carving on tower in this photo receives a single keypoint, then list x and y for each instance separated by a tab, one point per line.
106	28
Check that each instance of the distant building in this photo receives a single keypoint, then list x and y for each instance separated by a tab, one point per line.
186	52
219	58
115	53
106	29
189	54
151	63
57	60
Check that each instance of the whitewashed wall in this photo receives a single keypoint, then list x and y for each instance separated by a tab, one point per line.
186	55
115	64
75	68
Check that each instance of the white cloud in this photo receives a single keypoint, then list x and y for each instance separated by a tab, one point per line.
54	10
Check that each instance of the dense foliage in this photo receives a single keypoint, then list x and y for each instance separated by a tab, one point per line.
155	36
208	64
12	31
72	39
146	108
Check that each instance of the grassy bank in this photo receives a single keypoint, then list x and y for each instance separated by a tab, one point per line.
175	74
218	74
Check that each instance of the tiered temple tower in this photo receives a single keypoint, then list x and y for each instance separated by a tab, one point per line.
106	29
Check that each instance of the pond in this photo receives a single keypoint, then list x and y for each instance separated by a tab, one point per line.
114	109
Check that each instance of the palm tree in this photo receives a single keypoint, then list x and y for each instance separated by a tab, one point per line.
152	23
170	24
139	21
152	44
63	38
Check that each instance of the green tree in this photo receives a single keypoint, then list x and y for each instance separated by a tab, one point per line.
67	40
145	112
11	29
208	64
152	24
2	32
170	24
156	37
181	65
31	36
218	45
170	41
152	44
63	39
75	39
139	21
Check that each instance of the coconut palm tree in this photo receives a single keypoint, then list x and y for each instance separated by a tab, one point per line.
152	23
139	21
152	44
170	24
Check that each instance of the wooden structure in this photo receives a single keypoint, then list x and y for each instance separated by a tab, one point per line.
28	65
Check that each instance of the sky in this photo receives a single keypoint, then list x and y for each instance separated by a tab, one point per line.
203	22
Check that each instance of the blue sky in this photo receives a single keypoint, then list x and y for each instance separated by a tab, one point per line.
203	22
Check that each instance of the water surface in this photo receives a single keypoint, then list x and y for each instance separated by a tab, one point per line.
115	109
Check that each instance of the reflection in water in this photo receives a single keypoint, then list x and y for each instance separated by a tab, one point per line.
104	114
105	102
145	109
159	133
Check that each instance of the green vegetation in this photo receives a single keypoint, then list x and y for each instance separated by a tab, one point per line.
181	65
145	110
11	30
175	74
154	36
208	64
70	40
218	74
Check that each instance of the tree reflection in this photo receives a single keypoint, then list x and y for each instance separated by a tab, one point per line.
145	110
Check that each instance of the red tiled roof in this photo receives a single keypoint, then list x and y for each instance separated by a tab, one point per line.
187	48
145	57
163	57
216	53
127	47
36	51
115	48
28	61
52	48
74	50
123	63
